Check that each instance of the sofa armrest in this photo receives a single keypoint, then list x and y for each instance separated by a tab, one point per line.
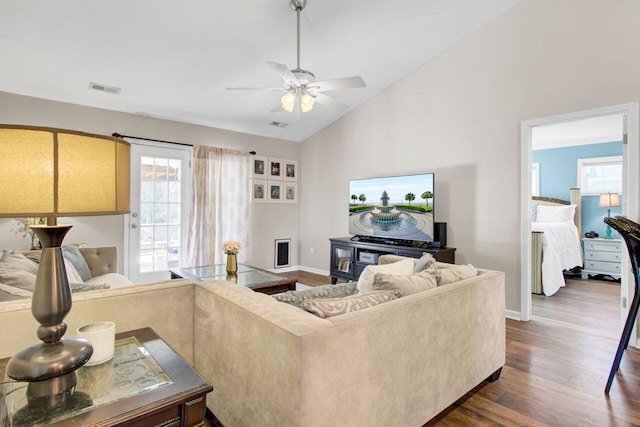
101	260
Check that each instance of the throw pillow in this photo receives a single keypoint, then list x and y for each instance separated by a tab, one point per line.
400	268
15	260
73	255
406	285
335	306
83	287
445	274
296	298
426	261
72	274
10	293
18	278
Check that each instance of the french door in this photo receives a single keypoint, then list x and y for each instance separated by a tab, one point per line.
156	231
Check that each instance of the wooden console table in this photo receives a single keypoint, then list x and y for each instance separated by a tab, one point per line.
349	258
145	384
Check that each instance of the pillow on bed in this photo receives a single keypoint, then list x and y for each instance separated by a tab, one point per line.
556	213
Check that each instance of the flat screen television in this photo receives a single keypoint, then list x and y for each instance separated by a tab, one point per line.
394	208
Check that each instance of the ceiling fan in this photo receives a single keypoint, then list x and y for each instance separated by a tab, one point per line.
301	89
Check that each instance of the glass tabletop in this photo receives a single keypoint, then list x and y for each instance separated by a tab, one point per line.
131	371
246	276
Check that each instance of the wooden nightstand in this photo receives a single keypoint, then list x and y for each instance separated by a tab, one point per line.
602	256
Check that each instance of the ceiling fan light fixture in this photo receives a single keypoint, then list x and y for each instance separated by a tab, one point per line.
288	101
306	102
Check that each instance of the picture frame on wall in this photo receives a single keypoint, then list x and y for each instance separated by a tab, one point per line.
290	192
275	168
258	167
258	191
282	253
274	191
290	170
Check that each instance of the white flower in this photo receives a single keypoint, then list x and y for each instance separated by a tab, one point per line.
231	247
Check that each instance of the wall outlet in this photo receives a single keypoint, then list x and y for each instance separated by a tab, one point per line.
312	251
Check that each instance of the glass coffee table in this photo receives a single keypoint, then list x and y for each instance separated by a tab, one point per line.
252	277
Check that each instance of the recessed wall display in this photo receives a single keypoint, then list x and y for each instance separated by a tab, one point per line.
282	253
258	191
290	170
274	191
258	167
290	194
275	168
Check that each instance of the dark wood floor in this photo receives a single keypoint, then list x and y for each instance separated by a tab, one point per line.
556	365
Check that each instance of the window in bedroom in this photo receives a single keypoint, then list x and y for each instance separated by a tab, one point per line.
600	175
535	179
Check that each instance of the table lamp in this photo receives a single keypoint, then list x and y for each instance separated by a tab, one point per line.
609	200
57	173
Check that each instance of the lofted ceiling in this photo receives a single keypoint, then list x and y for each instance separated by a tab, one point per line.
174	59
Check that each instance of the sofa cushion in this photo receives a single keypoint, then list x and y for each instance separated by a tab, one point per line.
400	268
295	298
114	280
18	278
406	285
335	306
73	255
10	293
454	273
16	260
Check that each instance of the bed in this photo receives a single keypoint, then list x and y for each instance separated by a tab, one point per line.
555	241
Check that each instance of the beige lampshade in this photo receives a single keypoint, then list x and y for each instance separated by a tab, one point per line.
54	172
608	200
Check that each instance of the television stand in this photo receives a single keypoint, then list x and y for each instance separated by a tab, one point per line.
349	257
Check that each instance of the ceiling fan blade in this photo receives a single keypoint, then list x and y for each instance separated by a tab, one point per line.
328	101
277	89
337	84
284	73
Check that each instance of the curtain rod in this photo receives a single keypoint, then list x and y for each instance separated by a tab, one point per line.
117	135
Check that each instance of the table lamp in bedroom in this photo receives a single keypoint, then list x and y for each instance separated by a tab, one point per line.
609	200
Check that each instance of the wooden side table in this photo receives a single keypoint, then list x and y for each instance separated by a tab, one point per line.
145	384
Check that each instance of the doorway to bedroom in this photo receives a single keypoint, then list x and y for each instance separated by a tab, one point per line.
590	150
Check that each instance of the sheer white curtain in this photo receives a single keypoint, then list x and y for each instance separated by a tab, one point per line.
219	204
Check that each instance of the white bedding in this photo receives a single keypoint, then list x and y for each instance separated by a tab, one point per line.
560	251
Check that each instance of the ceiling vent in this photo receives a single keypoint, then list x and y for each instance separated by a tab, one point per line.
278	124
104	88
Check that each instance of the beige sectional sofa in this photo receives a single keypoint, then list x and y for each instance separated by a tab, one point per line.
272	364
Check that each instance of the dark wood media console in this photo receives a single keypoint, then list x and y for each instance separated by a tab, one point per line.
349	258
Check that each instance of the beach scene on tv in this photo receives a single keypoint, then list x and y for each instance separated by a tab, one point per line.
398	207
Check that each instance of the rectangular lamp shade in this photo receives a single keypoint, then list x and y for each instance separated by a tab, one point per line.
608	200
54	172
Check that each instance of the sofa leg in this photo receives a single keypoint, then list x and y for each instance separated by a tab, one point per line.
495	376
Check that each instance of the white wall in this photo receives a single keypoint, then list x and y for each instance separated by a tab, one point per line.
459	116
268	221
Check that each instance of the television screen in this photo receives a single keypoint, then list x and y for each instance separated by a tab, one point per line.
397	207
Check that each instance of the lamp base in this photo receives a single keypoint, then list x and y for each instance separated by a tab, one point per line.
49	368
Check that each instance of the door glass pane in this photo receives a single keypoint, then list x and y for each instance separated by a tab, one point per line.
160	196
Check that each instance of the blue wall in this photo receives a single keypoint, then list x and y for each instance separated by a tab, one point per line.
559	172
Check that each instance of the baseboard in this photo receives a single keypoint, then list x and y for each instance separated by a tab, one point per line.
300	267
512	314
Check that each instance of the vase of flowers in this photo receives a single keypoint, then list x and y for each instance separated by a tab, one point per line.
231	248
